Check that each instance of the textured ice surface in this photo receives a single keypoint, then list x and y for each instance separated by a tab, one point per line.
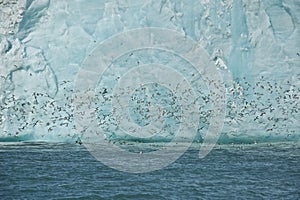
254	43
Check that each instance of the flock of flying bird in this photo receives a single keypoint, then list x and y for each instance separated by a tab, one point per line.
267	106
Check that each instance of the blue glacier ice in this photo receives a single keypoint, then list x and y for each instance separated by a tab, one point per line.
254	44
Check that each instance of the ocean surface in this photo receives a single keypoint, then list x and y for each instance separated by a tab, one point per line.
68	171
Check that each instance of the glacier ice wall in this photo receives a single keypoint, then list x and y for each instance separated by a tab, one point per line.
253	43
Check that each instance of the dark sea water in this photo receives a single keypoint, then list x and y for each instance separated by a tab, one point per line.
68	171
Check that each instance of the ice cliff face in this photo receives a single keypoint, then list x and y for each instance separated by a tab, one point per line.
253	43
